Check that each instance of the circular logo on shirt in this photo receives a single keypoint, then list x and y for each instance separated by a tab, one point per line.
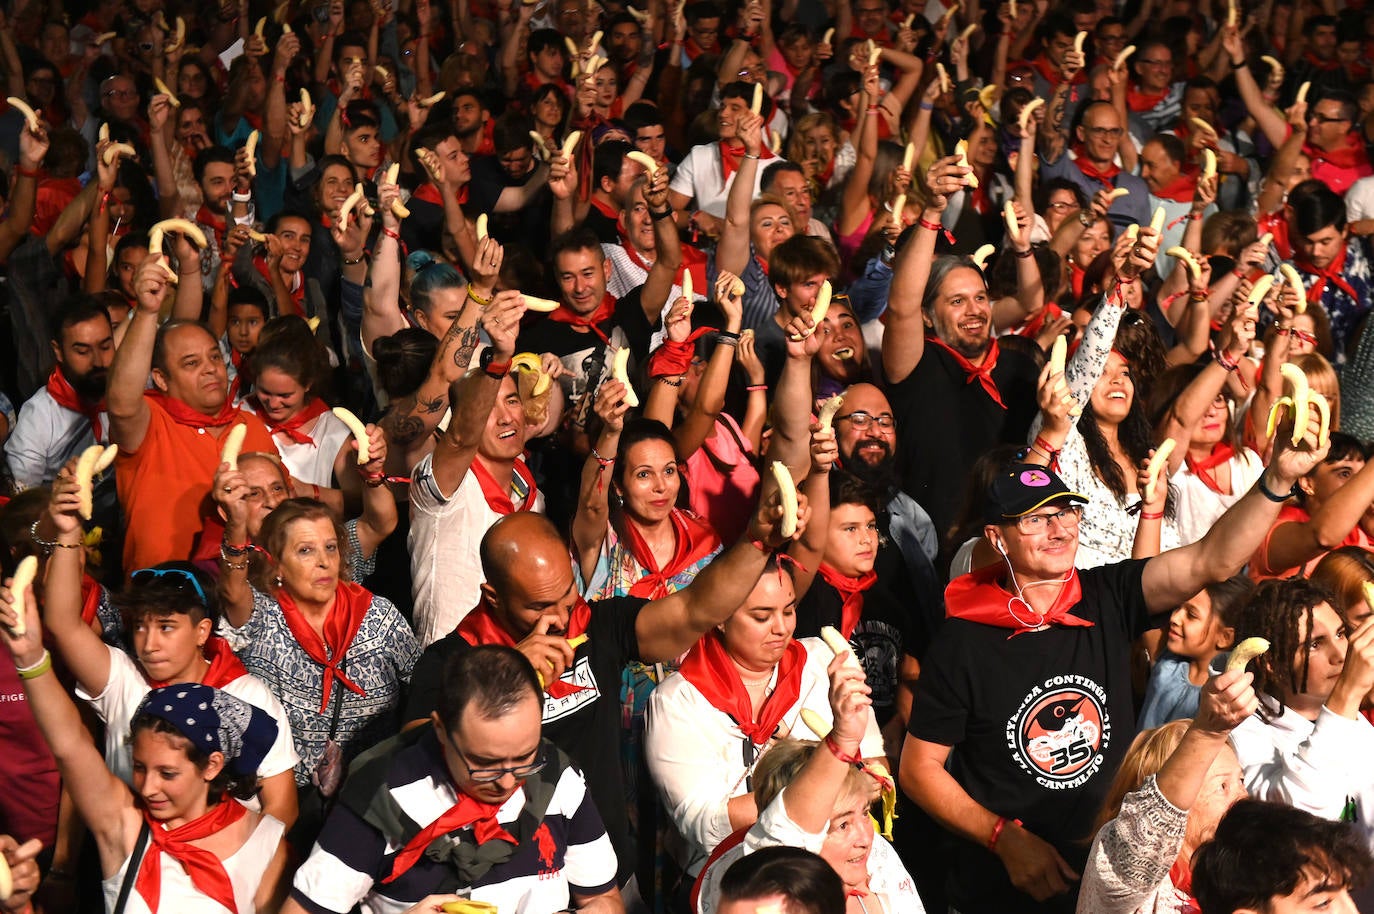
1060	731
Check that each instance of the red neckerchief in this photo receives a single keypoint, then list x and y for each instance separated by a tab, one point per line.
225	667
65	396
605	209
487	145
217	223
1181	877
1076	276
851	592
1143	101
480	627
205	869
709	668
351	603
604	312
1052	74
1317	63
1332	274
1350	154
826	173
291	428
467	811
763	264
1181	188
91	592
978	199
296	291
730	157
1085	165
693	259
193	418
428	193
980	373
694	50
498	499
1222	451
978	597
243	374
673	358
693	541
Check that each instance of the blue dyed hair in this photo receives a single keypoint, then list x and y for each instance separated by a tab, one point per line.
428	275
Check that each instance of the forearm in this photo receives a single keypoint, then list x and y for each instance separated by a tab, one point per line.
474	396
20	217
190	294
792	405
378	519
593	501
935	791
129	369
1185	770
93	282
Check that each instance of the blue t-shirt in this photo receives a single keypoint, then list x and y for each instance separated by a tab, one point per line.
1170	695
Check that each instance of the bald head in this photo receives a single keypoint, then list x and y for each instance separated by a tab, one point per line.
523	540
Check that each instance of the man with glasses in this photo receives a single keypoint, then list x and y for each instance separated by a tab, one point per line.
1091	163
1334	147
475	803
1026	690
1154	98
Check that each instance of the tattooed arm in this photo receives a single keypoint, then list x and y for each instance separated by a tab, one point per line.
413	418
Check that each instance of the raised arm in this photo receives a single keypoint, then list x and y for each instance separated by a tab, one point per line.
128	410
101	798
19	218
81	648
809	549
653	298
593	515
703	411
1174	576
379	515
732	252
474	395
904	336
1269	121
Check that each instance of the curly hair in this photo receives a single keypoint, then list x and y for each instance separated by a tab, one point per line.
1133	434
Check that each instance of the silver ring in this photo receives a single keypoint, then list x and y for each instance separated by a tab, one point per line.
228	488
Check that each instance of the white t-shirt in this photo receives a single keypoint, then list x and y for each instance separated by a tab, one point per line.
1359	200
699	176
694	750
312	464
1197	508
445	533
125	691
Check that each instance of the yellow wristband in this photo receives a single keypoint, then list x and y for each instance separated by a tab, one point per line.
38	669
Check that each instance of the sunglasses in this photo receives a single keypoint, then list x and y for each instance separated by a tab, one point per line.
177	576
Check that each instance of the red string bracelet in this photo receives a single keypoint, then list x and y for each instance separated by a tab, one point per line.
839	753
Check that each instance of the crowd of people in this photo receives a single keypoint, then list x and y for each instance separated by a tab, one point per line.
829	456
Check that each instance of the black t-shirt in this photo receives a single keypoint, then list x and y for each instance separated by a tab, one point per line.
1039	723
606	228
885	634
945	423
585	724
423	229
583	353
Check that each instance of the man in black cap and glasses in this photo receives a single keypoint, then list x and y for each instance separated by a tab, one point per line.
1029	679
476	804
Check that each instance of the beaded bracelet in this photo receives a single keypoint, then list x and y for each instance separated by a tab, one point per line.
48	545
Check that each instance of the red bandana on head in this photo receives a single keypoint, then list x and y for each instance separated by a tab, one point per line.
709	668
351	603
693	540
291	427
480	627
604	312
1202	469
205	869
467	811
852	592
978	597
979	373
500	500
65	396
183	414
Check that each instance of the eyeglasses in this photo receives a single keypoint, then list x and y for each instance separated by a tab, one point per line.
1067	518
1303	335
147	575
863	420
1061	205
1113	132
488	775
121	93
1325	119
1155	63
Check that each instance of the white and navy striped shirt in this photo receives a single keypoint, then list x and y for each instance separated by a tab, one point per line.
568	853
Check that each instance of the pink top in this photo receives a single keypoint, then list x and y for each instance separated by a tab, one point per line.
723	479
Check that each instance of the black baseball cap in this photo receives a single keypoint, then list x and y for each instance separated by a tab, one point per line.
1021	488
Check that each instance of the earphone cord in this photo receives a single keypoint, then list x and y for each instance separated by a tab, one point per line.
1020	593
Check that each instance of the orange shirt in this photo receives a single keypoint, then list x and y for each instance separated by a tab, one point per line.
1259	568
162	485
